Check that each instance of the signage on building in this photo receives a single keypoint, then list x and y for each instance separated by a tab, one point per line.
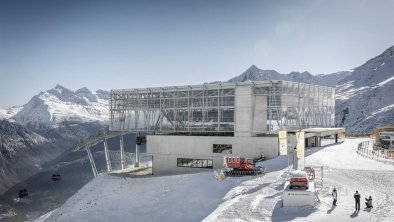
282	143
300	136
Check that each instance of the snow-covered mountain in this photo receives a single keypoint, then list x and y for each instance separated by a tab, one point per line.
253	73
57	105
50	124
365	99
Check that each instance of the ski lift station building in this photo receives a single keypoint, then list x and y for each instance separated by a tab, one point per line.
190	128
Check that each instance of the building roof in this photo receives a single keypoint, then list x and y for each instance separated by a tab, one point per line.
310	132
217	84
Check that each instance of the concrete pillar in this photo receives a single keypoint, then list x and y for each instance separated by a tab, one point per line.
137	156
295	160
243	111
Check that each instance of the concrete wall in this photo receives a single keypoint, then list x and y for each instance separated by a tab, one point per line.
166	149
250	112
259	114
243	110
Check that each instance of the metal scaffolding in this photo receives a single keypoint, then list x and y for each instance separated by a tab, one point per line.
210	108
203	108
293	106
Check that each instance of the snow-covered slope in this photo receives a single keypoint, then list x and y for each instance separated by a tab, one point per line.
188	197
8	113
199	196
253	73
346	172
365	99
60	104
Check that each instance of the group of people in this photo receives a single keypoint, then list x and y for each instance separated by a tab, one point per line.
357	198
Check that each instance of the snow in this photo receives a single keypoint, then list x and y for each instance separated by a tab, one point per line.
172	198
382	64
60	110
8	214
379	111
8	113
45	216
3	114
343	169
386	81
60	104
200	196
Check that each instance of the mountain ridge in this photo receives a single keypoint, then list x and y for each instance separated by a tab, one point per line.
253	73
54	106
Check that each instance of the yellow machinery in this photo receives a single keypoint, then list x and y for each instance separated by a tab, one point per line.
380	130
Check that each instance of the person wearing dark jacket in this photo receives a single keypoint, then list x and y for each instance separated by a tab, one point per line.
357	197
334	196
369	202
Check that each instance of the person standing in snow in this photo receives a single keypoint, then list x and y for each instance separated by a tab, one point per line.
357	197
334	195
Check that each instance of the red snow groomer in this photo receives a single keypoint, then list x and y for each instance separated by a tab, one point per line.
238	166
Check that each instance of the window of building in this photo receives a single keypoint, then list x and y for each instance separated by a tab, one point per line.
194	163
223	148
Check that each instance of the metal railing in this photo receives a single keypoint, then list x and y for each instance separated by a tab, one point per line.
366	149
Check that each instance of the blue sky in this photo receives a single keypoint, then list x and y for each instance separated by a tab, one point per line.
127	44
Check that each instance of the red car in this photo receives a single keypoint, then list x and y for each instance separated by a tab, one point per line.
299	179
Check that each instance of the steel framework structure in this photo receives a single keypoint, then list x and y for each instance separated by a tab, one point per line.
211	107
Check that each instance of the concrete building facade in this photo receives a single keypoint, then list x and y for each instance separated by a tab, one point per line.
191	128
167	151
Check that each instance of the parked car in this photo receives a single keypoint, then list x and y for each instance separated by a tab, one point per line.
299	179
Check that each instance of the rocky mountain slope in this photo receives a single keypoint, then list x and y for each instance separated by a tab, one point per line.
253	73
365	99
22	152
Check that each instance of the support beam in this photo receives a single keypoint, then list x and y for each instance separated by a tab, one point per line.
108	161
137	156
92	164
122	162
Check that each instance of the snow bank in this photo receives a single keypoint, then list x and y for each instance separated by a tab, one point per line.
343	169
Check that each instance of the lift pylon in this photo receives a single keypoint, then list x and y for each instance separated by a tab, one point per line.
92	164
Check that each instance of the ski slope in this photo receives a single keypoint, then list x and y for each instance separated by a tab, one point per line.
343	169
201	197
